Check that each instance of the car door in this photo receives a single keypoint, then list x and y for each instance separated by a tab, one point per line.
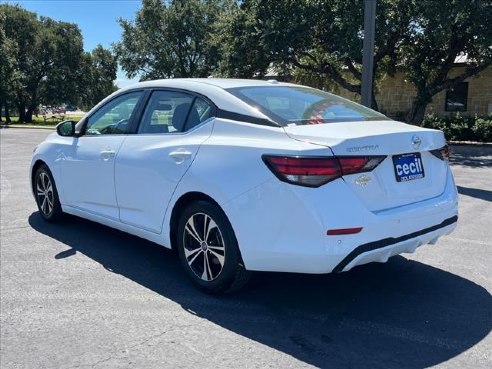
87	166
150	164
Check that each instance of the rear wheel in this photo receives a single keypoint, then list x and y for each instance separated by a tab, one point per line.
46	195
208	249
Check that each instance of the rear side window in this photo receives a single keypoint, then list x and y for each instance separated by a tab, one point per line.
303	105
172	112
200	112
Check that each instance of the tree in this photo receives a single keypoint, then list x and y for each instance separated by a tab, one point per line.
46	55
58	84
95	77
320	42
321	38
104	73
21	31
9	76
42	60
438	35
170	39
238	38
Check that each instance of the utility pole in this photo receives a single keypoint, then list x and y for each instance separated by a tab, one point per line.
368	51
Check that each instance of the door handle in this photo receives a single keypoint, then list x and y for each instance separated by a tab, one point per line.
107	154
180	155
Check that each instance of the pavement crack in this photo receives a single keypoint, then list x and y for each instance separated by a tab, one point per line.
143	342
102	361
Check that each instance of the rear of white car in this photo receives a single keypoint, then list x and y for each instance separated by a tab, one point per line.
354	192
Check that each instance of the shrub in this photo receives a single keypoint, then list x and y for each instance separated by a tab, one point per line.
483	128
462	128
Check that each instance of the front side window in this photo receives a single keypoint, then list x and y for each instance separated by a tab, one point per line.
303	105
173	112
114	117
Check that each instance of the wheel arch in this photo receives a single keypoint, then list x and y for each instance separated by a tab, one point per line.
35	167
185	200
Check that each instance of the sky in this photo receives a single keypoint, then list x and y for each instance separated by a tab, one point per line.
97	20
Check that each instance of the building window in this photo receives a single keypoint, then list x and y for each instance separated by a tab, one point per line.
457	97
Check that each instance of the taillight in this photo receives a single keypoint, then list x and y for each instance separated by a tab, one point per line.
442	153
315	171
359	164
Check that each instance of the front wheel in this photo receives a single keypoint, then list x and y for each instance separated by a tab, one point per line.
208	249
46	195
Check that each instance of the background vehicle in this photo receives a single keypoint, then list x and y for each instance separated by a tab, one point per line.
244	175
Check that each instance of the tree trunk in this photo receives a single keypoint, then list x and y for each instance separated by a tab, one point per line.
420	102
30	111
22	112
32	105
417	112
7	114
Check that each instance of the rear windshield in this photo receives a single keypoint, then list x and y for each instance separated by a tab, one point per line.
303	105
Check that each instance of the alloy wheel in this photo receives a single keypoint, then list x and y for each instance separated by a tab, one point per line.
44	193
204	247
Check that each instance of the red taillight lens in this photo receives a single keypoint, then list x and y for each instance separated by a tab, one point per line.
304	171
358	164
316	171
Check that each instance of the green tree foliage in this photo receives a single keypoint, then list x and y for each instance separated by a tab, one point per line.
46	51
9	76
170	39
95	77
320	42
320	38
238	36
44	62
438	35
104	67
20	27
58	81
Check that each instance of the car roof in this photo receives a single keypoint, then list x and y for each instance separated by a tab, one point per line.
223	83
215	89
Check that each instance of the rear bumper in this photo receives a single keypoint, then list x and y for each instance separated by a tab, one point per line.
281	227
380	251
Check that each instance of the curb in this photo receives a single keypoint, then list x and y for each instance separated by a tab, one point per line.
6	126
470	149
470	143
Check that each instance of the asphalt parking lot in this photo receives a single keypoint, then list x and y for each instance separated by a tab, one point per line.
78	294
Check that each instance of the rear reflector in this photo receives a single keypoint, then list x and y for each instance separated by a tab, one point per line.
314	171
342	231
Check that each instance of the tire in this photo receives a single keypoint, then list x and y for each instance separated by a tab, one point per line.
46	195
214	266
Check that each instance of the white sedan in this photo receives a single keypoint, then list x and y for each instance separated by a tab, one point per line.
246	175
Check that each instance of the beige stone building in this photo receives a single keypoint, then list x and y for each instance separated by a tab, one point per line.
473	96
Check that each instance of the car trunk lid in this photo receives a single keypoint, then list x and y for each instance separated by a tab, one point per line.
409	173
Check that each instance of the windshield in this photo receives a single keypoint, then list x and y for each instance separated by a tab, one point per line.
303	105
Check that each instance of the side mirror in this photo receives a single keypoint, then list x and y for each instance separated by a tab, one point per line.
66	128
